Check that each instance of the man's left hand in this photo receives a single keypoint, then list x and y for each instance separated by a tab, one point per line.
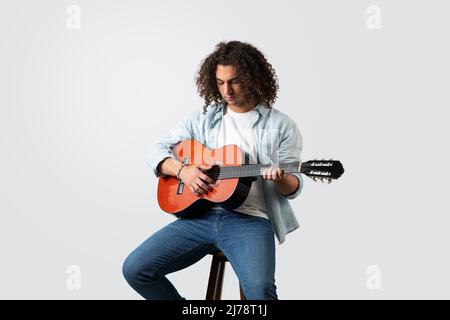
273	174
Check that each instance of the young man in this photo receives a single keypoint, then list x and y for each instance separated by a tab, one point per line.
239	87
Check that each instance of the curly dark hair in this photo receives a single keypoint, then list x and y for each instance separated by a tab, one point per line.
256	76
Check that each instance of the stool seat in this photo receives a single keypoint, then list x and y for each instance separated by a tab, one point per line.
215	282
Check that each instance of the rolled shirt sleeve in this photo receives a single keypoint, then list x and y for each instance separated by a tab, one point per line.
291	144
163	148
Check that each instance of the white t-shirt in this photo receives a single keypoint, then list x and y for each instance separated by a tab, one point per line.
236	128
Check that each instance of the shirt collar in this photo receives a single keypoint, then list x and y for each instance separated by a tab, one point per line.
260	108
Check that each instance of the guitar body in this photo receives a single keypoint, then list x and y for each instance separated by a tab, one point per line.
228	193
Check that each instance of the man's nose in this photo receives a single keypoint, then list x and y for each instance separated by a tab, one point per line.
228	90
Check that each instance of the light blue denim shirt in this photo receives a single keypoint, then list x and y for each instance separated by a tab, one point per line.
277	140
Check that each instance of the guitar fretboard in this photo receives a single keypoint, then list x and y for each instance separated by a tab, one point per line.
251	170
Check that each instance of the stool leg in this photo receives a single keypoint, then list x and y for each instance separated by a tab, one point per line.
242	293
214	291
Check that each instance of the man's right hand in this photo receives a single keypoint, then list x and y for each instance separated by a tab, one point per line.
197	181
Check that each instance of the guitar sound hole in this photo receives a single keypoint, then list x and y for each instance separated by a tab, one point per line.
214	172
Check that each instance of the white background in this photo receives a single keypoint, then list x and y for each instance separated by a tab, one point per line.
79	108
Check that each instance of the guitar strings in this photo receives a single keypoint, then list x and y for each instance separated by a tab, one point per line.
249	170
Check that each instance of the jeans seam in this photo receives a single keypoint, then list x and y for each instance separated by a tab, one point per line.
216	226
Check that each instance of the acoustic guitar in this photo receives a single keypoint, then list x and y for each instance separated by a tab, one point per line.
232	178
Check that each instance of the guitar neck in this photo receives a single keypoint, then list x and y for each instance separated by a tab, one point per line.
254	170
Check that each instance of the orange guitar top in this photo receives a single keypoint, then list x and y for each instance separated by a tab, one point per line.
193	152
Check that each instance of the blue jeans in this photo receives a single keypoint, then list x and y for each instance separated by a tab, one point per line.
247	242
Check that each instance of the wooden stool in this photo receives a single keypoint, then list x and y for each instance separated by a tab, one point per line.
214	291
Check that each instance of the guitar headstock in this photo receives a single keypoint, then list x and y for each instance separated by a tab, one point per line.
324	170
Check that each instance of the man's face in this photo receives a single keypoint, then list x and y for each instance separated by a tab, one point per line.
228	85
